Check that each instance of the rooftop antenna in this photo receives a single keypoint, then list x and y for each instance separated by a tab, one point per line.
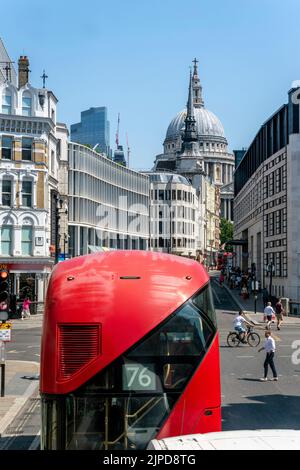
128	150
44	76
117	133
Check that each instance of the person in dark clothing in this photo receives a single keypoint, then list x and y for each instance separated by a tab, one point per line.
265	296
279	310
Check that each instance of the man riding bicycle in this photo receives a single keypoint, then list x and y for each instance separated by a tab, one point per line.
239	323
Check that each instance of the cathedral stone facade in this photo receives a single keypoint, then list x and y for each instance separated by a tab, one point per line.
210	156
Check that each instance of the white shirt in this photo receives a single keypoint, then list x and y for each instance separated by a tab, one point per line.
238	321
269	311
270	345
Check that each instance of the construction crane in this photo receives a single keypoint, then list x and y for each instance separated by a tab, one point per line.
117	133
128	150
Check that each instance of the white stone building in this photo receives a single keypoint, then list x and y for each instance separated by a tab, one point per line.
266	206
182	219
29	173
173	215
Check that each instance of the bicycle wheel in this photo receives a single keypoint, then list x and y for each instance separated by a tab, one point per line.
253	339
232	340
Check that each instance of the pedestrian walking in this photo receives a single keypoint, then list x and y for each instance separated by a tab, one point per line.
279	311
221	279
265	296
26	308
270	348
269	313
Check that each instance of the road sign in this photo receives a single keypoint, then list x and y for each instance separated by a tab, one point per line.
6	325
5	331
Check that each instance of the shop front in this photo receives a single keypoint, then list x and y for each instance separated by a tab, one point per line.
28	280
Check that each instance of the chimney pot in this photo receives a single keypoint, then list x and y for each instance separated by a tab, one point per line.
23	71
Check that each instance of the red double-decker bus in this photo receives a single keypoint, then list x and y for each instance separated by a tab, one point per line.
129	352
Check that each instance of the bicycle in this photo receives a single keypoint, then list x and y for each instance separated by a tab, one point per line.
252	338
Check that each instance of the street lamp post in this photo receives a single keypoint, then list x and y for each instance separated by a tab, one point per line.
66	239
254	286
58	209
271	269
57	218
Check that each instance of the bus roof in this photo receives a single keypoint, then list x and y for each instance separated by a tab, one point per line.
126	293
262	439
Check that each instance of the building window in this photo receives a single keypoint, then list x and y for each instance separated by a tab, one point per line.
26	240
26	104
27	148
6	103
27	193
52	161
7	147
161	194
6	240
6	192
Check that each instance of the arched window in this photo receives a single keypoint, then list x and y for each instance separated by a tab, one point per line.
6	102
26	104
27	237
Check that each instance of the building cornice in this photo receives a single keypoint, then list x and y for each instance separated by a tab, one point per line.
14	123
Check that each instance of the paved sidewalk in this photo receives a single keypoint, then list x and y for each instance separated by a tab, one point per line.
248	306
21	383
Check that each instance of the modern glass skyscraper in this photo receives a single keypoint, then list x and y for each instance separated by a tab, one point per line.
93	129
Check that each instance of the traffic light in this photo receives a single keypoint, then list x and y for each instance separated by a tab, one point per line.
4	294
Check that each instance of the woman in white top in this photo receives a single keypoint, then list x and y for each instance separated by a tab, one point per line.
270	348
269	312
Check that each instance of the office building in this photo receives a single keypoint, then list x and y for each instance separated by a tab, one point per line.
93	130
108	204
266	206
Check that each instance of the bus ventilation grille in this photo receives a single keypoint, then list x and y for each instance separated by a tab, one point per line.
77	346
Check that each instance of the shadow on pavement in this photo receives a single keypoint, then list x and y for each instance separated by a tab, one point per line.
250	380
267	412
31	377
16	442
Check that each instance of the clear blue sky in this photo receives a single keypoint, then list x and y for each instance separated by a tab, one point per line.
133	56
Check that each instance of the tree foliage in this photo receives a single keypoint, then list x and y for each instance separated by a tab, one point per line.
226	231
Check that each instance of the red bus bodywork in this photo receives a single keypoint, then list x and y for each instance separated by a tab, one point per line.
101	310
